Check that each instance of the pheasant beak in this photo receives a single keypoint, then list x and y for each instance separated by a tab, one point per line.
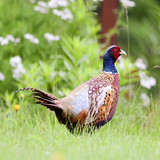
122	52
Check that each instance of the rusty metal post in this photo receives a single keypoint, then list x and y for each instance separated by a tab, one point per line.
108	19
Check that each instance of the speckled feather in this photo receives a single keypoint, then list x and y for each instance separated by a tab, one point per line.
103	97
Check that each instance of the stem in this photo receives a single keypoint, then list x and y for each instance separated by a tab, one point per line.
128	43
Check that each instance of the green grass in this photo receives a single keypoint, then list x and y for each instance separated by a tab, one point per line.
34	133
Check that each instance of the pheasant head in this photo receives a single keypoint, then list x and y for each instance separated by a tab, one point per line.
110	57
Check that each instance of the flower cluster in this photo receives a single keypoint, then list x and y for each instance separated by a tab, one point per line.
43	7
50	37
140	64
31	38
2	76
7	39
64	14
128	3
57	3
17	67
98	1
145	80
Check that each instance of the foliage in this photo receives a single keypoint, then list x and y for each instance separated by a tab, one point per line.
144	30
58	65
71	32
144	33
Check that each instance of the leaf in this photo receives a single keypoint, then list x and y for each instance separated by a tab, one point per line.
67	65
68	54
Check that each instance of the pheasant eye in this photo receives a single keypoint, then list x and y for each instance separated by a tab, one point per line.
115	50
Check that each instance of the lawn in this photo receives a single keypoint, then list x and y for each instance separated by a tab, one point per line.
33	133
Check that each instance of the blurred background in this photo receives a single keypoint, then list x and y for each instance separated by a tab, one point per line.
57	45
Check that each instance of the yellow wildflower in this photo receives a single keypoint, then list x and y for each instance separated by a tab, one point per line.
17	106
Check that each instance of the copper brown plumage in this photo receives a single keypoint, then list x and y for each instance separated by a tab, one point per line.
92	103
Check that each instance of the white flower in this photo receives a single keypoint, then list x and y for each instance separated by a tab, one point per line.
40	9
10	38
64	14
145	99
31	38
42	4
57	3
34	40
2	77
97	0
67	14
15	61
28	36
7	39
57	12
62	3
128	3
51	37
53	4
147	81
140	64
4	41
17	40
1	38
18	72
17	67
56	38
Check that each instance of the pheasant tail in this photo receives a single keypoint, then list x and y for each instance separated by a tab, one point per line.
44	98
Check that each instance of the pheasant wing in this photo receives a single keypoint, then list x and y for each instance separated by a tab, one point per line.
103	96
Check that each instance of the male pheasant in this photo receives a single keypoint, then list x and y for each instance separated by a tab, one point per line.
92	103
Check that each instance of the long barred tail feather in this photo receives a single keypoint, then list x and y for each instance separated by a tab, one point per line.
43	98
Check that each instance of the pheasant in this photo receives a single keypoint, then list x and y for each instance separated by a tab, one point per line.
93	103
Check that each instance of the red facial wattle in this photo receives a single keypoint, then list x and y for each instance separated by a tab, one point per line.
116	55
115	52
